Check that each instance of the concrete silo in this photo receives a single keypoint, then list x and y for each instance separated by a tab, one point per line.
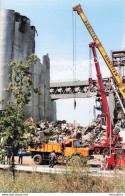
17	40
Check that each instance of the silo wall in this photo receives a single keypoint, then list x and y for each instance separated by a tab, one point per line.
17	41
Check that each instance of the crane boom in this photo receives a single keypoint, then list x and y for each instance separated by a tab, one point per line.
102	92
106	58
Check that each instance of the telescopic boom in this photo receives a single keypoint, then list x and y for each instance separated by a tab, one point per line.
101	50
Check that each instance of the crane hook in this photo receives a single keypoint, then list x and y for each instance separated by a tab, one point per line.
74	104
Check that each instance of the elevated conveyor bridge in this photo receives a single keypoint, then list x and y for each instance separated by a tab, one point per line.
71	89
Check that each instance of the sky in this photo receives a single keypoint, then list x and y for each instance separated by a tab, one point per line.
53	20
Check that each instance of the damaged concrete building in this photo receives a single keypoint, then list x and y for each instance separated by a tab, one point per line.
17	40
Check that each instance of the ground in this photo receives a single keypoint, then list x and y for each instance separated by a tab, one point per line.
27	160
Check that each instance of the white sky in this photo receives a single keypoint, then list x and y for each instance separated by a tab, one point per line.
83	114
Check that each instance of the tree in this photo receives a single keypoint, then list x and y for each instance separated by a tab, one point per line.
12	129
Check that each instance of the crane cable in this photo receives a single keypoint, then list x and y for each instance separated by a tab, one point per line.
74	52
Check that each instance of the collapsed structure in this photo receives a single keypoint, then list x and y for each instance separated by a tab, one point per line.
17	40
95	132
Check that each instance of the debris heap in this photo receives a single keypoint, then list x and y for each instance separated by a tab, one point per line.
92	134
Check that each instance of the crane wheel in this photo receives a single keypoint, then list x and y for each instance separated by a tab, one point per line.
37	159
105	151
97	150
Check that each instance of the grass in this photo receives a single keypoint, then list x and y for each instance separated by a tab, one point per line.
69	182
73	182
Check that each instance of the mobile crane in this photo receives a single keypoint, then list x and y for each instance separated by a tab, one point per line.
116	160
104	145
118	80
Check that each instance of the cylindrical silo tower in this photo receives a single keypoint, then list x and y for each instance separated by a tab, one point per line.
17	40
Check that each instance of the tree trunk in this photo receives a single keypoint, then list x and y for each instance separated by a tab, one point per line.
13	166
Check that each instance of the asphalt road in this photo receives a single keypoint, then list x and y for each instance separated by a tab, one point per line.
57	170
28	165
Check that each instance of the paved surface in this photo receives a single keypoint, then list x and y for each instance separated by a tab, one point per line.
88	171
28	165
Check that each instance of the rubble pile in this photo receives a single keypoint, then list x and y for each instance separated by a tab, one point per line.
92	134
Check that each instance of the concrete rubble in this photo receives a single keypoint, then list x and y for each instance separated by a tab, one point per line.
92	134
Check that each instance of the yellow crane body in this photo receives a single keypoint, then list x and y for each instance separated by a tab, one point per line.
106	58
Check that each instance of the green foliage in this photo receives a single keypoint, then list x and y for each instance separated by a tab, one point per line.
21	82
12	129
77	162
